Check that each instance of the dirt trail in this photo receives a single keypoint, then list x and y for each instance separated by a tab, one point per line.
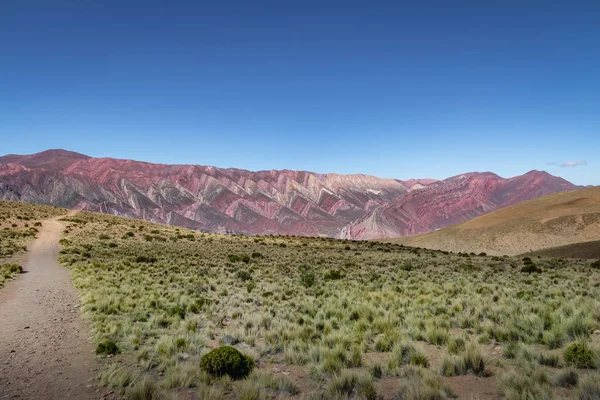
45	352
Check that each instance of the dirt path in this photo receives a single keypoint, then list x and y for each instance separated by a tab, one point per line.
45	352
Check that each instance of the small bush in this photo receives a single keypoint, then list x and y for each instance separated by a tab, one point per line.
595	264
531	268
107	347
227	360
580	356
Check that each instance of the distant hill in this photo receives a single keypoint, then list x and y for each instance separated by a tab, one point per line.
558	219
452	201
229	200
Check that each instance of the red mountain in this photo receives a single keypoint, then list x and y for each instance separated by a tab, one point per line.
452	201
263	202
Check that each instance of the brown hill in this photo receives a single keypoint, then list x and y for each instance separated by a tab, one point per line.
589	250
555	220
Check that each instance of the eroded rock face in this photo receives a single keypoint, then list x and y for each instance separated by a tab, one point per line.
452	201
264	202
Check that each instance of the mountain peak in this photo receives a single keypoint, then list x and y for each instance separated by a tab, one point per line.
51	160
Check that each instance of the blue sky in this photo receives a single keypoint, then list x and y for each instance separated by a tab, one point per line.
393	89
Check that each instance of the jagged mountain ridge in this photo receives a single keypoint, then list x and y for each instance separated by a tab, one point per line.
452	201
263	202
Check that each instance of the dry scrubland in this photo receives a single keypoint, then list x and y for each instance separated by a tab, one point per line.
558	219
330	319
19	223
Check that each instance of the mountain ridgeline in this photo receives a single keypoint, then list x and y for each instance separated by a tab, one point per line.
263	202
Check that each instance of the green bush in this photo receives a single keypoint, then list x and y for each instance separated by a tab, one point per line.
107	347
580	356
531	268
595	264
227	360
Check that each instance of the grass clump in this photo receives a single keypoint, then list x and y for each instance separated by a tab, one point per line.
405	353
423	385
517	385
473	359
589	387
352	385
452	366
567	377
227	360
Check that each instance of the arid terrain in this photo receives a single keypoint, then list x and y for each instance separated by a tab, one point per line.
228	200
318	318
550	221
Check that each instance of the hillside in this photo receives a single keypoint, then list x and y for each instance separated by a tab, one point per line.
554	220
288	202
589	250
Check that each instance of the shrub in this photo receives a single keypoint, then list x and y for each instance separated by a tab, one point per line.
595	264
227	360
531	268
107	347
580	356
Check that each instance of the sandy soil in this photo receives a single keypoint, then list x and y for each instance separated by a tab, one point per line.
45	351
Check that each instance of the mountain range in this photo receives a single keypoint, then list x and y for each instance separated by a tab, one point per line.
229	200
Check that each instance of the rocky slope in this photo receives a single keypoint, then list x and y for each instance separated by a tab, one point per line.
452	201
263	202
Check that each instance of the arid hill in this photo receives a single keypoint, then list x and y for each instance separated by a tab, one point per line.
555	220
589	250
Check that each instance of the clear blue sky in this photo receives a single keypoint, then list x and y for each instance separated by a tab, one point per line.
394	89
